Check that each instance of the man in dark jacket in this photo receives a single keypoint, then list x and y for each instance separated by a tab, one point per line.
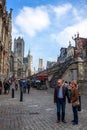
0	87
28	85
60	94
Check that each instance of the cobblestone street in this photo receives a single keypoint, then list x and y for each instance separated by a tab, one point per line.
37	112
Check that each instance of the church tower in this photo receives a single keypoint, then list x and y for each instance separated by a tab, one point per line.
30	63
18	57
19	48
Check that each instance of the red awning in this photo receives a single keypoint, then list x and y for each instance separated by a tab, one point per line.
42	76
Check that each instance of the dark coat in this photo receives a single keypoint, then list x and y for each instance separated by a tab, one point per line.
0	84
65	94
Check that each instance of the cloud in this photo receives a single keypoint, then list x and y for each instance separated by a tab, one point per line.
48	28
15	32
77	17
62	9
32	20
63	37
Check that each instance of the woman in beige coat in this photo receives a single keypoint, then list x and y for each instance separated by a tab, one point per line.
74	101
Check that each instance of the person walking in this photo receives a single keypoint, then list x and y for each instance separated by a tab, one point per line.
16	85
74	101
60	94
1	87
24	85
28	85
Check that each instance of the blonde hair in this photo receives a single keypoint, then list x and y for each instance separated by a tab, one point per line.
74	82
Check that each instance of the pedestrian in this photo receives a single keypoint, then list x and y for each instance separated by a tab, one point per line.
60	94
28	85
20	85
24	85
6	86
4	83
69	90
74	101
66	84
16	85
1	87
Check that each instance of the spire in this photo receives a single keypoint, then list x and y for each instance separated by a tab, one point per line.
11	12
29	52
3	2
69	43
77	34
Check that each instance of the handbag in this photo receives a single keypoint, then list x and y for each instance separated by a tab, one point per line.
76	103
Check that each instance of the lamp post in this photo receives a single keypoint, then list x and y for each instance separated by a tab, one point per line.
75	37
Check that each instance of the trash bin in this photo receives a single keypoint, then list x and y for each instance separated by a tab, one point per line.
79	107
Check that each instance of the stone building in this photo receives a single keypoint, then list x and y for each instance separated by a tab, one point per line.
5	39
12	64
80	46
28	64
76	67
40	65
73	65
50	64
22	65
80	49
18	57
63	54
70	51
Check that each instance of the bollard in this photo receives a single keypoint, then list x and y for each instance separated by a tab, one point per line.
12	92
79	107
21	96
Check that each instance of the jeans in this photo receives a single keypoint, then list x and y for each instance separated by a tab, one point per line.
61	104
75	114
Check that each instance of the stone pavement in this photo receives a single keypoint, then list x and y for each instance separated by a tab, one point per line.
37	112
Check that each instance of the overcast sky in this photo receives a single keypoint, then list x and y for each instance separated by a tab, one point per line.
47	25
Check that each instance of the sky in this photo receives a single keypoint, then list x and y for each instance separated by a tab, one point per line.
47	25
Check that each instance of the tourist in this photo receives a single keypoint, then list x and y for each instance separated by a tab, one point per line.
74	101
60	93
28	85
0	87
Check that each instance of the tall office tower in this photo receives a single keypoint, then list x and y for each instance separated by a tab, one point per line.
40	66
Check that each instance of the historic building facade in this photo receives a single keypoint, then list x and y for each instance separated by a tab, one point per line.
40	65
74	65
70	51
18	56
5	39
80	49
63	54
80	46
50	64
22	65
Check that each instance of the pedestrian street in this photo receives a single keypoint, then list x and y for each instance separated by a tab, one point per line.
37	111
